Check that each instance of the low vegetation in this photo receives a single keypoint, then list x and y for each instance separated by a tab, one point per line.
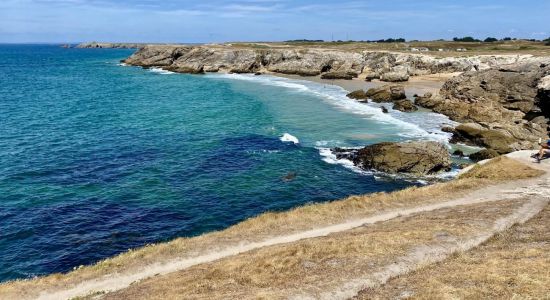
499	169
511	265
318	265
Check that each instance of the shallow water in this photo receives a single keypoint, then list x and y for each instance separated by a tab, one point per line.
97	158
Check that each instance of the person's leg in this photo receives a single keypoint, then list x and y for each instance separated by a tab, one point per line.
542	151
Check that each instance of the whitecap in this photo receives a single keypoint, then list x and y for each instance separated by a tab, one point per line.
161	71
330	158
289	138
122	65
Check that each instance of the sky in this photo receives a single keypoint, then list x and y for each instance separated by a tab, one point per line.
200	21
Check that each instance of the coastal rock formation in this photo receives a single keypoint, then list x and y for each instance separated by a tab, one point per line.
504	109
386	93
308	62
339	75
111	45
395	76
483	155
419	158
359	95
404	105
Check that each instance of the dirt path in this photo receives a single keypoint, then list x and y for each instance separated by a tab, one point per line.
434	253
537	188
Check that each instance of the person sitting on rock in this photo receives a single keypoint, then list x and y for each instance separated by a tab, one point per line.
544	148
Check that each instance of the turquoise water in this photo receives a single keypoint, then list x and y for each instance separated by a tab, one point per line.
97	158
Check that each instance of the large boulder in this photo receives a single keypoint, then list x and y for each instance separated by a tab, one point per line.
483	155
360	95
404	105
426	101
419	157
386	93
395	76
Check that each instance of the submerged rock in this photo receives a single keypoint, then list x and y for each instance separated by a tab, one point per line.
417	157
289	177
386	93
384	109
404	105
458	153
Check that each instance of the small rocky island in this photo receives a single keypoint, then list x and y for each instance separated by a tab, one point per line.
417	157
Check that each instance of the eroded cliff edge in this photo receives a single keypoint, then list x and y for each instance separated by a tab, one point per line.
502	100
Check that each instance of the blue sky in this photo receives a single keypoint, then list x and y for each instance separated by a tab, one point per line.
267	20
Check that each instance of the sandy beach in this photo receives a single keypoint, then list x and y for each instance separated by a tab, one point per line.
416	85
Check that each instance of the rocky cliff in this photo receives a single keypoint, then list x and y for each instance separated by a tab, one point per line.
387	66
504	108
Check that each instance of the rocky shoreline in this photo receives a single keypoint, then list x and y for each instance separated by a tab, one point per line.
501	101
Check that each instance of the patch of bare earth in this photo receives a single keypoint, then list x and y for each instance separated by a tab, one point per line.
511	265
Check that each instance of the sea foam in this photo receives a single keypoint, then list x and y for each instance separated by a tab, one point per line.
418	125
289	138
161	71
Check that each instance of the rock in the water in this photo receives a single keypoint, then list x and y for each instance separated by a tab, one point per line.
483	155
289	177
426	101
384	109
410	157
458	153
394	77
358	95
386	93
448	129
404	105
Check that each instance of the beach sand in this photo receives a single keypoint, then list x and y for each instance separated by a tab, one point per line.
416	85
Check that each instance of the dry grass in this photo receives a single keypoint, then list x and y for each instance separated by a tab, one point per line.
502	168
512	265
315	265
475	48
265	226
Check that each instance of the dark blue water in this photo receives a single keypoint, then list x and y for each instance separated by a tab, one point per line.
97	158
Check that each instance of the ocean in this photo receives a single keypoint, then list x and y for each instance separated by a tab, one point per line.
97	158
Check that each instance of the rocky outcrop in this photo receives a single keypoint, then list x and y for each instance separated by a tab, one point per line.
111	45
504	109
339	75
386	93
483	155
359	95
395	76
419	158
404	105
333	64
